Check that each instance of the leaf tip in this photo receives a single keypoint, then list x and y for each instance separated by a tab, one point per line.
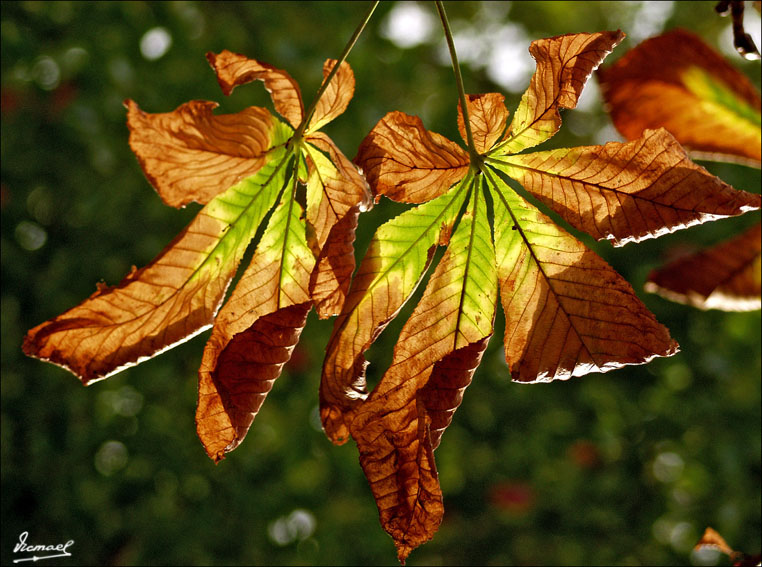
403	550
226	85
713	540
36	345
334	425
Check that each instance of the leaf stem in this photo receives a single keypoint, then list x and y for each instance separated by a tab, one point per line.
474	155
344	54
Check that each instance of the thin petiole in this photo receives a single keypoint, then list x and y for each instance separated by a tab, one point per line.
341	59
475	159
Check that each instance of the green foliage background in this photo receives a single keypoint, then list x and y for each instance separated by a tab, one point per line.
622	468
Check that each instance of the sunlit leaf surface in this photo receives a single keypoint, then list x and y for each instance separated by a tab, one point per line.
678	82
726	276
567	312
244	167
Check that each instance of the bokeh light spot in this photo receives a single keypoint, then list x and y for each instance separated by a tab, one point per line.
297	526
46	73
668	467
30	235
407	25
155	43
111	457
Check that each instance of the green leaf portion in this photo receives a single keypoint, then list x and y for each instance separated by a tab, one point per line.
174	297
472	275
396	259
717	97
567	311
284	243
458	307
402	247
322	212
242	208
256	329
401	423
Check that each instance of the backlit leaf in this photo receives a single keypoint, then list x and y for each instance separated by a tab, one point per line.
234	70
677	82
567	312
439	348
488	115
193	155
241	360
627	191
243	166
335	98
564	64
397	257
726	276
406	162
336	194
330	280
713	540
173	298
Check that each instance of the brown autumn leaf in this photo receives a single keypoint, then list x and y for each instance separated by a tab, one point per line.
725	276
567	312
629	191
241	166
168	145
676	81
713	540
423	163
714	111
234	70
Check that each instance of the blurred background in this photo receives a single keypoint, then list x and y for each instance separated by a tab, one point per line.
623	468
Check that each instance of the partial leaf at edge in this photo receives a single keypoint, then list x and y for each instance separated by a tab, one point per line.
402	421
406	162
627	191
255	331
726	276
190	154
713	540
567	312
173	298
397	257
564	64
678	82
234	69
